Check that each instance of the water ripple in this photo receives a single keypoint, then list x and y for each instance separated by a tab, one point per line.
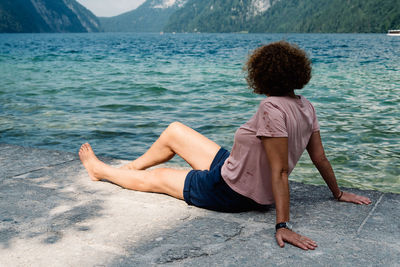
119	91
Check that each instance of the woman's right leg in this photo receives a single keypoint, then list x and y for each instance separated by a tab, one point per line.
197	150
162	180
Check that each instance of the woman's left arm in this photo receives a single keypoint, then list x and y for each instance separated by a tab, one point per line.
317	154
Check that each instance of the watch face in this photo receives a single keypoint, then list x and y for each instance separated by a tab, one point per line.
286	225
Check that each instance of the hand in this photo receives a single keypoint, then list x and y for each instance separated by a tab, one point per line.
353	198
285	235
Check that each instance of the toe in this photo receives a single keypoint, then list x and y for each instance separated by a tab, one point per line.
86	147
83	150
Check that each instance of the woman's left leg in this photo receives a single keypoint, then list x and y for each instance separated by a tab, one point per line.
163	180
197	150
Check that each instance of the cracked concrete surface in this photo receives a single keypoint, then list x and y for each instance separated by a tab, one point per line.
51	214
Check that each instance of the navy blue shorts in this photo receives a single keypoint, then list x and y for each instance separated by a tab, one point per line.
207	189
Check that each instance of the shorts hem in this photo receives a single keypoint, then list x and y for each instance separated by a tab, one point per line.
186	188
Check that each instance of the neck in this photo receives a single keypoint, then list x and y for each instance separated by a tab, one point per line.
292	94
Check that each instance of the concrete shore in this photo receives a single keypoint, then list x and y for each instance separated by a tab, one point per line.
52	214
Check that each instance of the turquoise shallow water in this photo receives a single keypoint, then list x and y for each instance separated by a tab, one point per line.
119	91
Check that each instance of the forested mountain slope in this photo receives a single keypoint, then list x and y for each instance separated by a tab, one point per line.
46	16
337	16
217	16
286	16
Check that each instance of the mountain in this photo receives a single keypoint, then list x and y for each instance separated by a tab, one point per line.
285	16
335	16
151	16
217	15
46	16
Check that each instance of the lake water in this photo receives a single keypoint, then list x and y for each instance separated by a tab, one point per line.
119	91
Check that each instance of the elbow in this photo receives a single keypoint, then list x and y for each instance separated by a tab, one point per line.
284	172
280	174
280	180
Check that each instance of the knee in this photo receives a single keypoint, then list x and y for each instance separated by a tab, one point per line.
174	128
148	183
175	125
154	180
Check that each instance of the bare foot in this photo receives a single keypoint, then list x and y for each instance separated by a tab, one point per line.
92	164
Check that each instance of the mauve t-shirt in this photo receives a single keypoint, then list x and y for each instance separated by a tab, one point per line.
247	170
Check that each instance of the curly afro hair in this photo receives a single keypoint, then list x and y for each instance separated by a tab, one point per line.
277	69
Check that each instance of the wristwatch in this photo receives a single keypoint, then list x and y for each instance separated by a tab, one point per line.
286	225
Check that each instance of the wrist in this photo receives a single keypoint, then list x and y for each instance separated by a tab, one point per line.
339	196
281	225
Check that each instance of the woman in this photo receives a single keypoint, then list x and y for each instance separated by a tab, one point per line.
265	151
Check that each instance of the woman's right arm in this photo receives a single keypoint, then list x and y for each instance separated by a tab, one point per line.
277	154
317	154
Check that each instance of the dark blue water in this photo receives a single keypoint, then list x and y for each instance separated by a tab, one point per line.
119	91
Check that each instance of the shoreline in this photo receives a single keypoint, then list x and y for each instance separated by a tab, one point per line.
52	214
119	162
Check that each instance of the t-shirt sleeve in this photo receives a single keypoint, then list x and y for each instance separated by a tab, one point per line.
315	126
271	121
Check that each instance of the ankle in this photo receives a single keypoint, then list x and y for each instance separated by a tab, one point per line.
98	171
133	166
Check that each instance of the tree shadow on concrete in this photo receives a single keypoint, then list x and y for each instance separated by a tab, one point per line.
45	203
